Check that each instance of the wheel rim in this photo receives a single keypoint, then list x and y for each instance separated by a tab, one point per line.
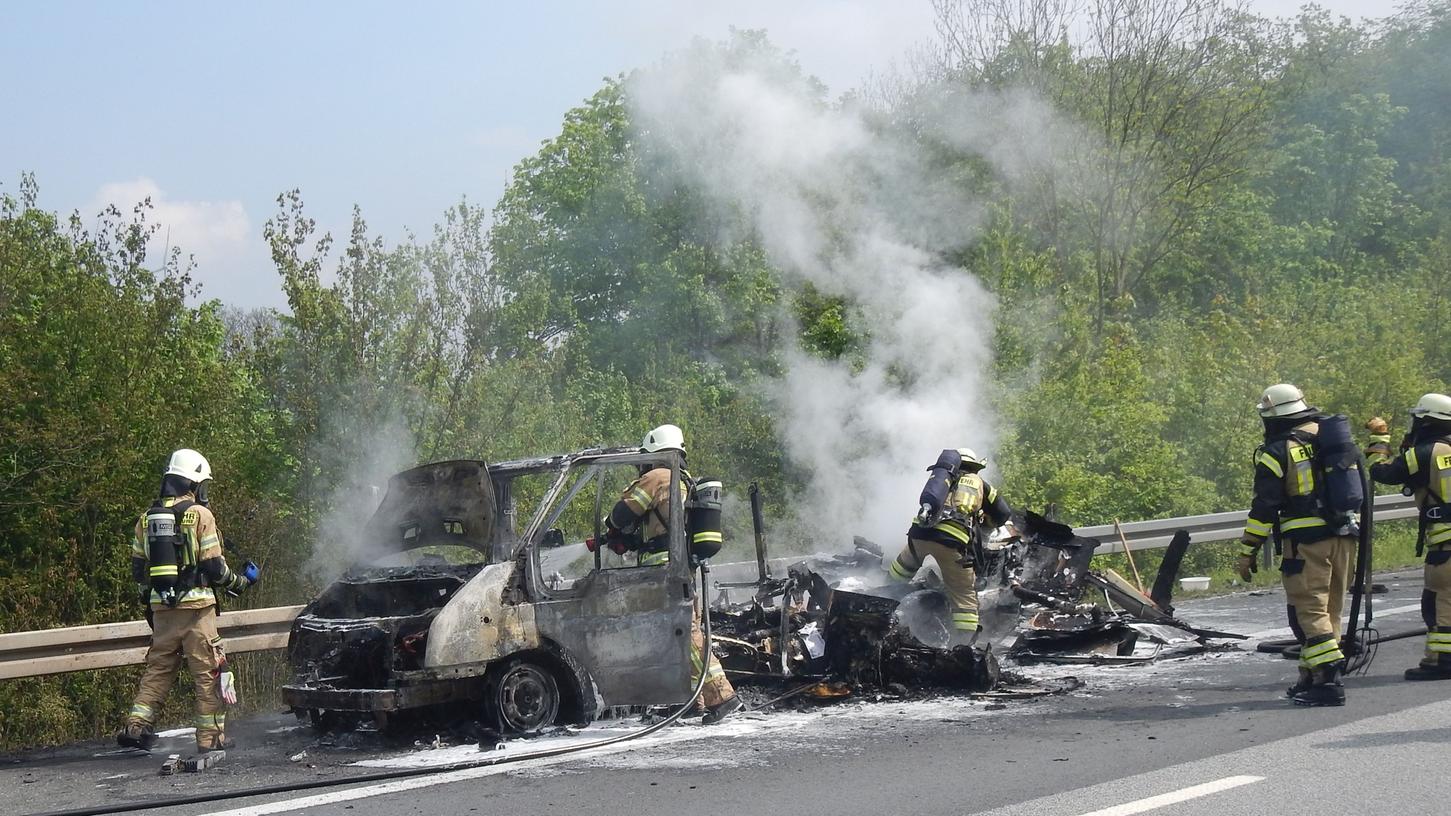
528	698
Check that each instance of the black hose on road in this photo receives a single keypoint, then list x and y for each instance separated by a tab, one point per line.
405	773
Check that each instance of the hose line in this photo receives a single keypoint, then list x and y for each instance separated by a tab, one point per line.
405	773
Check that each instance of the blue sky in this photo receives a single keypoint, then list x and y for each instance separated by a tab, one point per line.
213	109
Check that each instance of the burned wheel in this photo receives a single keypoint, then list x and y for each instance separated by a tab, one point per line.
523	696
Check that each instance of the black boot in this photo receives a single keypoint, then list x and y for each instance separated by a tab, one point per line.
1301	684
1325	688
1438	669
720	711
136	735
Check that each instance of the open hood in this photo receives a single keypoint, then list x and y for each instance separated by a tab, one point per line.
444	503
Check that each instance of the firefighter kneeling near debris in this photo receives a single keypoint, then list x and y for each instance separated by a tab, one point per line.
1315	543
640	522
176	560
1424	467
953	507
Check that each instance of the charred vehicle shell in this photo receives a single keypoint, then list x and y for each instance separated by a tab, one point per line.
519	645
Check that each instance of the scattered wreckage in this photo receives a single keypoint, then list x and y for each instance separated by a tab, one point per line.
836	619
457	610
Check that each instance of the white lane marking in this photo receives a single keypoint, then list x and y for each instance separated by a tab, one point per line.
1275	634
1175	797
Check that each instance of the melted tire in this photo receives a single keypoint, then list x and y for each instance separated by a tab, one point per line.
523	696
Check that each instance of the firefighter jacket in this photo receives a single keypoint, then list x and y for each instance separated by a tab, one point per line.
1286	500
203	559
645	507
972	499
1426	469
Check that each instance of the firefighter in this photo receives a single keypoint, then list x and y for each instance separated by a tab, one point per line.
1315	548
640	521
1424	466
176	560
952	541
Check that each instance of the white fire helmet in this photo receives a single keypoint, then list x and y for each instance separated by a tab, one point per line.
665	437
971	458
189	464
1435	406
1282	400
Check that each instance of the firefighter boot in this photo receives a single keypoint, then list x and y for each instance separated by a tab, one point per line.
1305	682
1325	688
1437	669
720	711
136	735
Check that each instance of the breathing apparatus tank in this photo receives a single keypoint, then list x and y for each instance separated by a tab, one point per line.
934	494
1339	460
165	552
702	518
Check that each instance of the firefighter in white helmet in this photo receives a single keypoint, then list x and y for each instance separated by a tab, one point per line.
1424	466
1315	548
956	507
641	521
176	560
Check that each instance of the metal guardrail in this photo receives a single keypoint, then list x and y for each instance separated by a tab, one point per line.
1149	535
108	645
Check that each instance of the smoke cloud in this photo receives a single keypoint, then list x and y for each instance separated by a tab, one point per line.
858	207
374	450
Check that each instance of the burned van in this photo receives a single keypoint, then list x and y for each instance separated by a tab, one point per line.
459	606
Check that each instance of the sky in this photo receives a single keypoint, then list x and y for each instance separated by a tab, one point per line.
212	110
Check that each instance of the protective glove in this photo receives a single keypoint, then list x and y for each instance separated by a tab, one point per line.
227	686
251	572
143	594
1378	427
1246	566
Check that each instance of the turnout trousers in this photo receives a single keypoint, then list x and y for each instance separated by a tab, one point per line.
718	688
959	581
189	636
1436	606
1316	576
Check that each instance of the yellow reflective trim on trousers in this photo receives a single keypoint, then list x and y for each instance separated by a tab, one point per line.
211	720
1255	527
900	572
162	569
141	711
645	500
964	620
1248	549
1271	463
1320	654
707	536
1438	637
1302	523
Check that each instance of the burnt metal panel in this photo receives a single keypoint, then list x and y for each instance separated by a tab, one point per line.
444	503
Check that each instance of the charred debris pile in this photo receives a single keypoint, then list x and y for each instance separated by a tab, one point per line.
834	627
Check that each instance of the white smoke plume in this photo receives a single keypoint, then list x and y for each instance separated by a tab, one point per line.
855	206
374	452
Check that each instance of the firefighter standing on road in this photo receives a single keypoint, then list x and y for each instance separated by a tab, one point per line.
176	559
641	520
951	541
1316	553
1424	466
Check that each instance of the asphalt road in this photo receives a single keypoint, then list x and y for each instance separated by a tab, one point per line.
1206	734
